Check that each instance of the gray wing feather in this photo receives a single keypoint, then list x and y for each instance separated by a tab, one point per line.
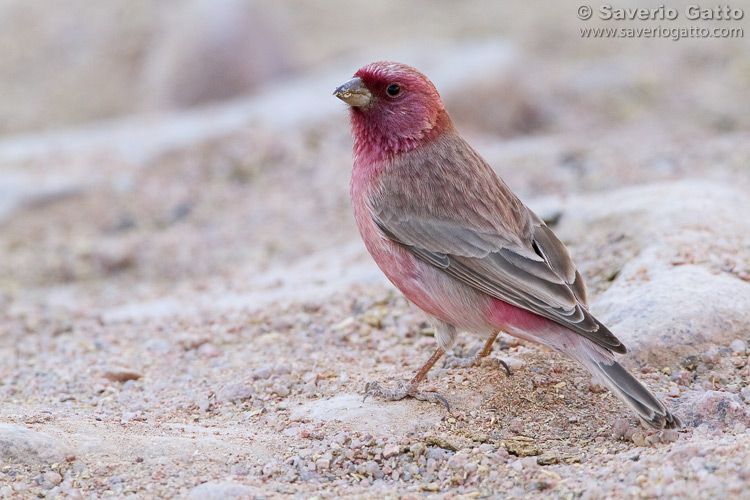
544	281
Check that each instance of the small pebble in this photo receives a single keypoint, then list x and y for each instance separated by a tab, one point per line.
485	448
389	450
711	356
282	369
596	386
738	346
310	389
340	438
547	458
280	390
417	449
120	374
620	428
262	373
235	391
690	363
745	393
440	442
371	468
435	454
639	438
669	436
208	350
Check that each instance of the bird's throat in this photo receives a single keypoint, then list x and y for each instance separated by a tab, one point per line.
374	143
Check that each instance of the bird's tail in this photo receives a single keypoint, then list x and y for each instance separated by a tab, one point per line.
633	393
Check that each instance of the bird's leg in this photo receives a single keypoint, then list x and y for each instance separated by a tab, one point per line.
410	390
476	359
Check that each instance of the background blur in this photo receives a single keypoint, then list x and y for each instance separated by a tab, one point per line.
74	62
154	141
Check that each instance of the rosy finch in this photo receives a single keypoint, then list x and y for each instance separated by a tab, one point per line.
450	234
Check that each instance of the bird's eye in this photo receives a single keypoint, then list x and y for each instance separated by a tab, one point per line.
393	89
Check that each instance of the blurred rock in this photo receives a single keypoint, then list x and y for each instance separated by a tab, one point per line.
235	392
223	491
72	63
21	445
720	410
212	50
522	111
120	374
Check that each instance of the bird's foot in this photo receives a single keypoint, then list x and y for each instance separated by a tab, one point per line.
405	391
475	360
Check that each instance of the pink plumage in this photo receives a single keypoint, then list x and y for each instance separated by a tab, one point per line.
450	234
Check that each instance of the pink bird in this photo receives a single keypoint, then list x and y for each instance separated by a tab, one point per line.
450	234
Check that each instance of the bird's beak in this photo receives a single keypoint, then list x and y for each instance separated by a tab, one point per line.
354	93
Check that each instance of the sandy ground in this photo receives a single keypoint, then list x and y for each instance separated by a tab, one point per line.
186	310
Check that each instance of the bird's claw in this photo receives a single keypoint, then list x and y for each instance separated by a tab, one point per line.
503	364
458	362
409	391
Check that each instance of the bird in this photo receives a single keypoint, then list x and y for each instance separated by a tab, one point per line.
448	232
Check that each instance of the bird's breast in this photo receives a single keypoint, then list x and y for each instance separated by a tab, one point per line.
427	287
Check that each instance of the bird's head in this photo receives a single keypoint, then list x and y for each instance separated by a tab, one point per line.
394	107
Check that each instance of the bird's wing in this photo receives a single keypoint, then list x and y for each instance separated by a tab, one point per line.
482	235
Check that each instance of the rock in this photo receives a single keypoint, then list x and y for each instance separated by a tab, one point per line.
340	438
548	458
280	390
348	409
720	410
440	442
620	427
639	437
53	478
676	313
370	468
211	51
389	450
234	391
521	446
374	317
670	299
435	453
669	436
21	445
690	363
223	491
711	356
738	346
417	449
480	437
282	369
118	374
262	373
208	350
135	55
